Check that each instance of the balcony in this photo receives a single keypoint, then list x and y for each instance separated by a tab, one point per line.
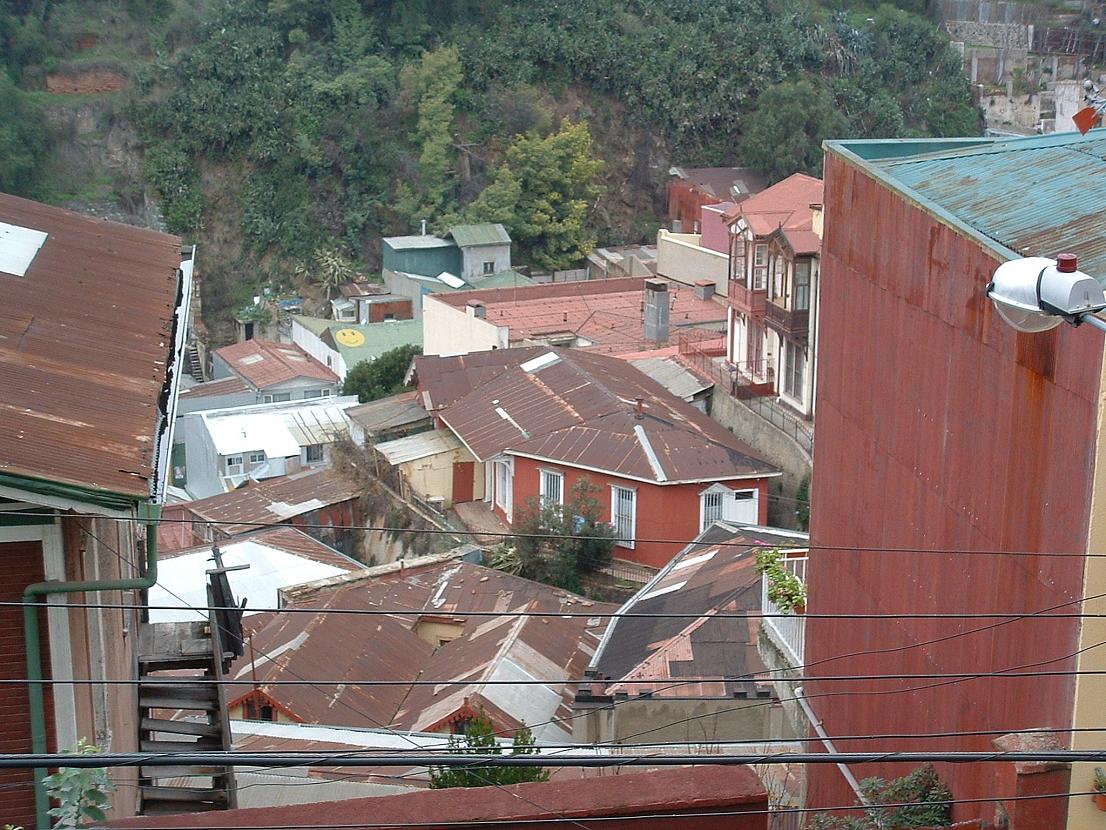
747	300
792	323
787	632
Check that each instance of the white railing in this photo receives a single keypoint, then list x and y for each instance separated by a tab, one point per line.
786	632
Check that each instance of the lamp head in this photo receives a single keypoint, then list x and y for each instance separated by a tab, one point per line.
1036	293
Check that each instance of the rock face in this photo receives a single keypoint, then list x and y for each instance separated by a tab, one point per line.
84	82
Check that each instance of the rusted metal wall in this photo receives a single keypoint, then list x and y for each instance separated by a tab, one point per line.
939	427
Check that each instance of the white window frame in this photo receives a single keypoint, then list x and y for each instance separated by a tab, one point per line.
545	478
257	458
625	540
307	454
277	397
313	393
712	499
792	354
232	467
489	267
760	266
502	485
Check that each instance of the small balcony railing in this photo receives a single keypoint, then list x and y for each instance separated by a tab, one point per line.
787	631
794	323
745	299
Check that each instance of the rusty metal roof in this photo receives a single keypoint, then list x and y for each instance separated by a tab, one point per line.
264	363
785	204
1034	196
86	341
216	388
579	408
714	574
274	499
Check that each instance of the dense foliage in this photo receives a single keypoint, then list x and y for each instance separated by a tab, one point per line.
371	380
927	798
480	738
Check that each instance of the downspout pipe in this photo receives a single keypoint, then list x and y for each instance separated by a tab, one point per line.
149	514
816	723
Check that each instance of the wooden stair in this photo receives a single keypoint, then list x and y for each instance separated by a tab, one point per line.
181	712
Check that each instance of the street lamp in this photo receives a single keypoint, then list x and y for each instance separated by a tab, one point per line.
1036	294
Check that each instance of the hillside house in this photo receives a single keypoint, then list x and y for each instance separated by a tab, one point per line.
362	302
93	319
772	323
341	346
224	448
985	440
691	188
527	424
275	372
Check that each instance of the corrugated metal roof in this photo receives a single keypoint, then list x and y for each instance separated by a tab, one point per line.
388	413
374	340
407	243
672	375
264	363
1036	196
215	388
85	342
414	447
785	204
467	236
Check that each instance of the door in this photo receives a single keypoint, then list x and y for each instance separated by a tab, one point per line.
742	507
462	481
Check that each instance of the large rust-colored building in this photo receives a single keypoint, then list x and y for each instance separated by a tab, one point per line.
955	459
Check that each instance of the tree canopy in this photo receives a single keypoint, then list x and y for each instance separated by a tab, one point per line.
371	380
480	738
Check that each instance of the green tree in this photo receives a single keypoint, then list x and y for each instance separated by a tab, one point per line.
543	193
371	380
784	134
559	543
480	739
432	83
928	797
22	144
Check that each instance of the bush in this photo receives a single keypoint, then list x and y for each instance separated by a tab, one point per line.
372	380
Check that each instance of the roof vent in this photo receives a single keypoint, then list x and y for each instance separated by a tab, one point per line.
477	309
18	248
704	289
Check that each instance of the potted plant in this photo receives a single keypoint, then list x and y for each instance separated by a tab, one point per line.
1100	788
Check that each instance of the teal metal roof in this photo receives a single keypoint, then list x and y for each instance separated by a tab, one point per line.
504	279
1034	196
466	236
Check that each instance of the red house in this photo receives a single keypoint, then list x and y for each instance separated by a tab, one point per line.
535	421
691	188
955	458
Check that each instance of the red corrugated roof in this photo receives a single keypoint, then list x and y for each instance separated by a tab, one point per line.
785	204
263	363
212	388
85	341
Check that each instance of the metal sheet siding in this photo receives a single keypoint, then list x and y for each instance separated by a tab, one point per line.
938	428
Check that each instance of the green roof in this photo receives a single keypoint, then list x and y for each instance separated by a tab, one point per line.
504	279
468	236
1032	196
378	337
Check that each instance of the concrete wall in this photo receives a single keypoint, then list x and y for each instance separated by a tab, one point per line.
773	446
473	259
681	258
310	343
200	457
449	330
296	387
188	404
678	720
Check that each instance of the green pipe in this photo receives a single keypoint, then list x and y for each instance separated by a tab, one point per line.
149	514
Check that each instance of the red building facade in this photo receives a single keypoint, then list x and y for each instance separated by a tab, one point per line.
943	437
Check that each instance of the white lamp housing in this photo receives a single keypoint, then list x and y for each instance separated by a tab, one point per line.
1036	294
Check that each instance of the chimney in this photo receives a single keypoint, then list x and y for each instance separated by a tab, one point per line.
639	408
656	310
422	230
477	309
704	289
817	215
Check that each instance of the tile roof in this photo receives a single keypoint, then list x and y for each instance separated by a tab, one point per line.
264	363
86	339
277	558
274	499
802	241
350	647
1033	196
467	236
607	313
578	408
785	204
709	577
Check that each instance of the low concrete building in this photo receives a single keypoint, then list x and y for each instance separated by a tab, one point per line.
362	302
273	371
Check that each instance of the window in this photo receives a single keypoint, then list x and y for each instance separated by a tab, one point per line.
233	465
313	393
489	267
794	376
624	515
552	487
278	397
503	486
257	458
754	348
776	289
253	709
802	285
760	267
389	316
314	453
710	508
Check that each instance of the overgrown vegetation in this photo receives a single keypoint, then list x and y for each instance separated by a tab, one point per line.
480	738
80	795
928	800
371	380
558	544
785	590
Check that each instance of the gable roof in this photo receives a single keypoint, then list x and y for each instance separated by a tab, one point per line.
578	408
722	182
86	350
1032	196
715	574
469	236
785	204
263	363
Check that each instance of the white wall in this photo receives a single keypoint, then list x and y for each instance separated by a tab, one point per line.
310	343
200	458
449	330
473	259
680	258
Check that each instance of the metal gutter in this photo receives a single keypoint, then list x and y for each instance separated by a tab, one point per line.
828	744
69	492
149	514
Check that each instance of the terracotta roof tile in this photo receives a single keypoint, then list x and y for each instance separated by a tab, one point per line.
785	204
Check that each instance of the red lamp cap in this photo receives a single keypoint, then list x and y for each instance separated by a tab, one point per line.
1066	263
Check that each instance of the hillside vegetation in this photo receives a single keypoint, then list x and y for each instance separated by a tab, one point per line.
284	133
